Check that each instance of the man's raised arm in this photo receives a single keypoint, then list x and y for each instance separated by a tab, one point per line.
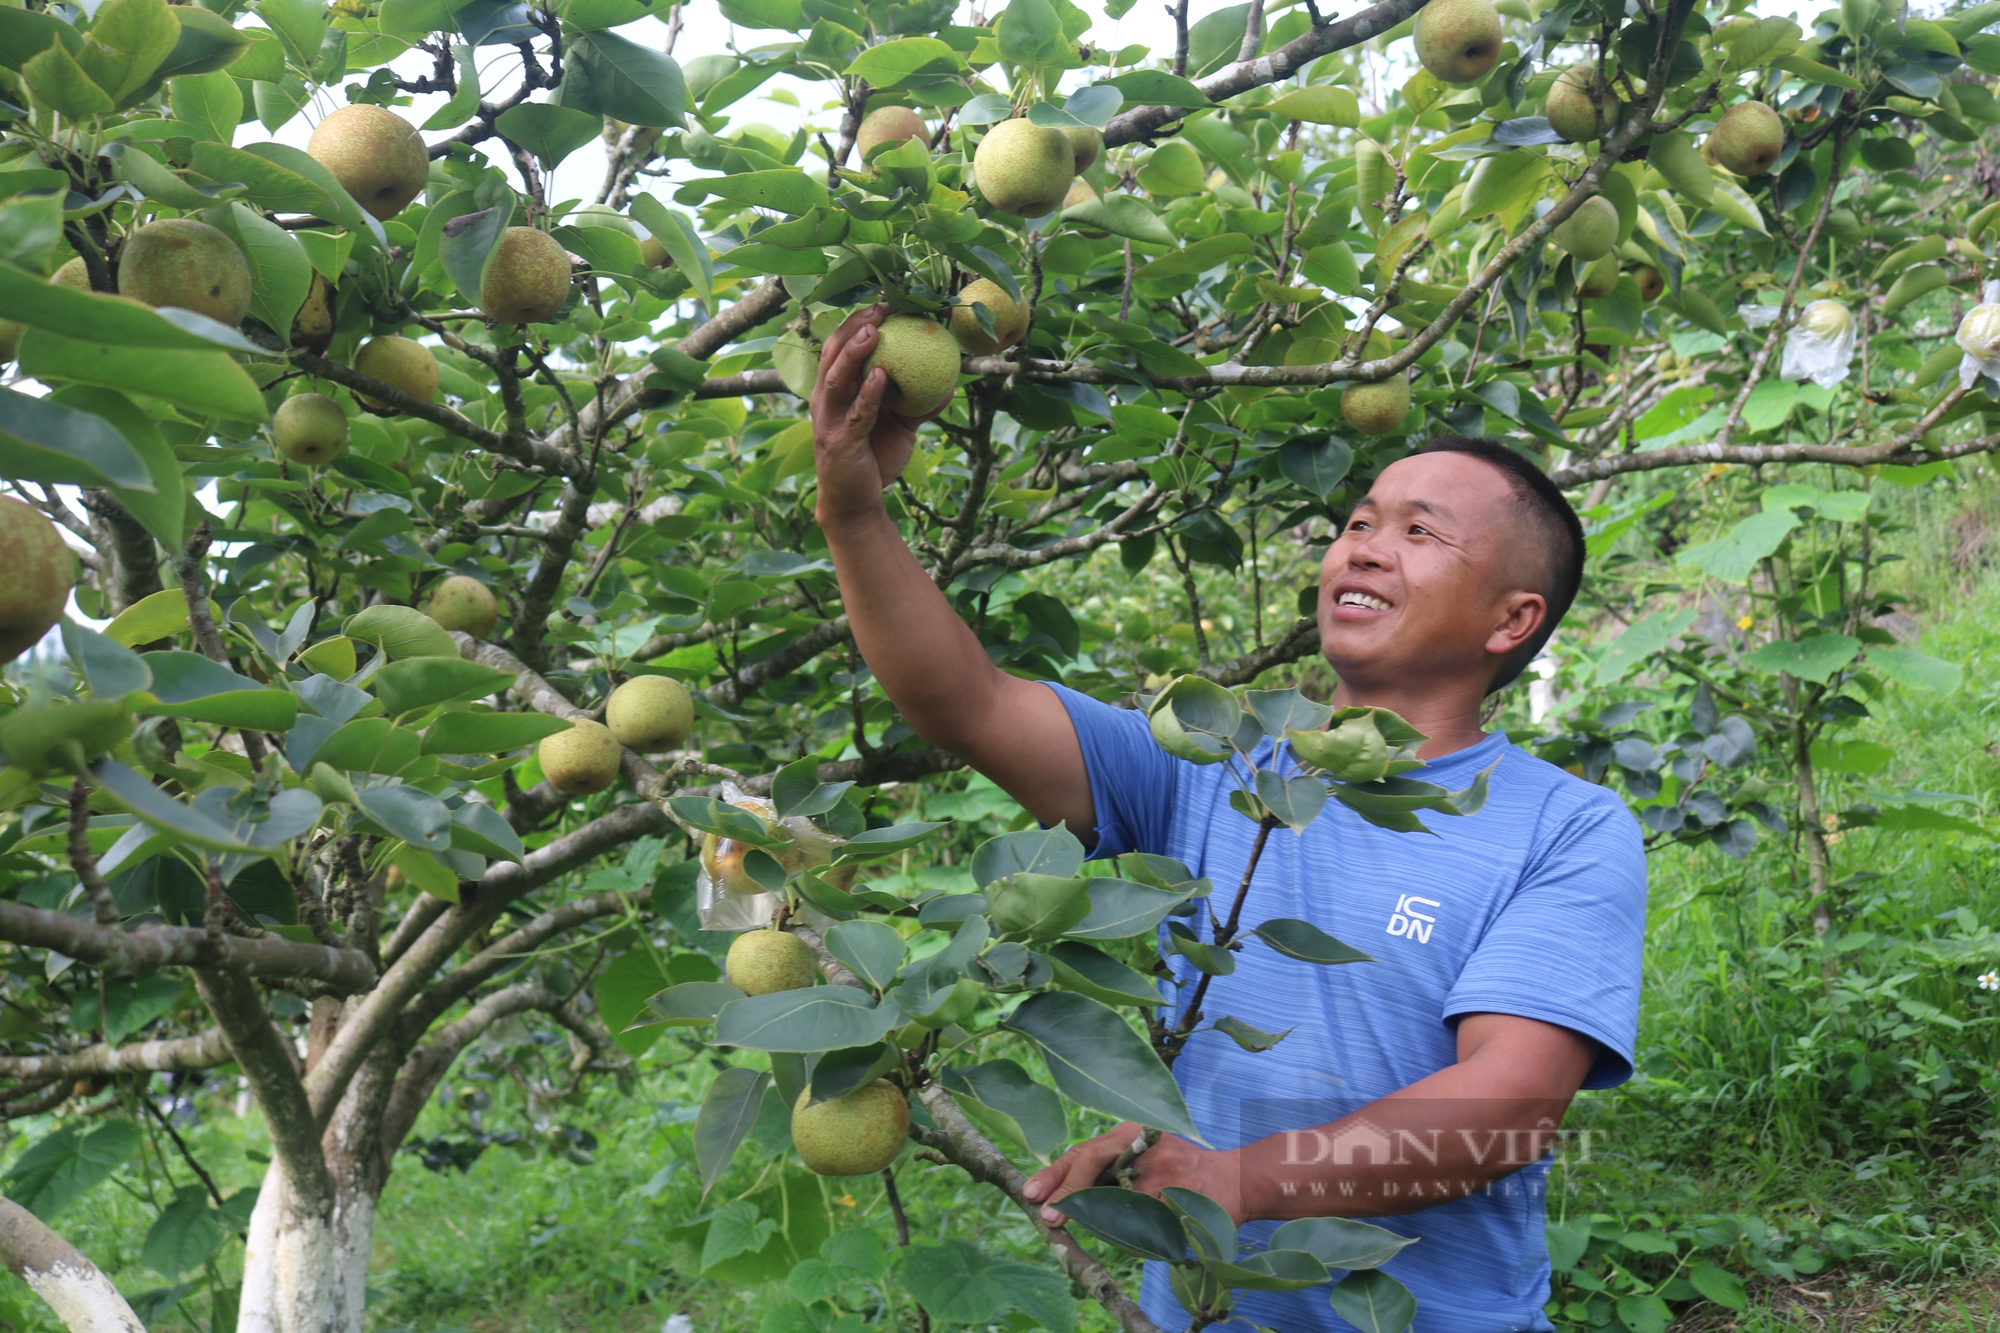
931	665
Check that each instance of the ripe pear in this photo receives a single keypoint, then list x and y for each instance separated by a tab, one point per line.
1010	318
1458	40
1748	138
309	428
312	327
1591	231
1581	106
1086	143
1376	409
581	760
1651	282
375	155
401	364
855	1135
40	573
763	962
1024	169
185	263
650	714
527	280
465	604
889	124
1599	278
74	275
921	357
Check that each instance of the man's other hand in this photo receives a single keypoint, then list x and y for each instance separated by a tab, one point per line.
1171	1161
859	446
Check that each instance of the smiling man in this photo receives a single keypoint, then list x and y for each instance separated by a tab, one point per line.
1424	1087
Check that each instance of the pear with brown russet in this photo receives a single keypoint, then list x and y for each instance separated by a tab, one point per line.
1009	317
889	124
1458	41
1023	168
401	364
855	1135
40	573
375	155
187	263
528	279
582	760
764	962
921	359
1379	408
463	603
1581	106
650	714
1748	139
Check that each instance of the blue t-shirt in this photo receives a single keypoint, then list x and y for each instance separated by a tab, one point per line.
1535	907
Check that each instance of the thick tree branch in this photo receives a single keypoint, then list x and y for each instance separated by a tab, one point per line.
205	1051
80	1295
268	1063
123	952
504	953
799	651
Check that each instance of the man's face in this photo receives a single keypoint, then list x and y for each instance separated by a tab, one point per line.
1425	583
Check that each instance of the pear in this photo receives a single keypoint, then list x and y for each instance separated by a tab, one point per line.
650	714
921	357
62	738
1826	319
1651	282
185	263
312	327
309	428
1581	106
1010	318
1599	278
582	760
602	215
763	962
74	275
889	124
401	364
1591	231
464	604
722	858
1458	40
1023	169
375	155
1086	143
527	280
855	1135
40	573
1748	138
1376	409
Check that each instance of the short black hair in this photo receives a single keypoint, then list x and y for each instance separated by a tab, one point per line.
1558	532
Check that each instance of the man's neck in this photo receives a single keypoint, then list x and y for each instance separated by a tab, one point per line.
1449	717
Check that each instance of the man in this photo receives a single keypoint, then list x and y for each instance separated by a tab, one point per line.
1506	948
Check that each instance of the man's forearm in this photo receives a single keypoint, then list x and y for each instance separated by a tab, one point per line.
1444	1137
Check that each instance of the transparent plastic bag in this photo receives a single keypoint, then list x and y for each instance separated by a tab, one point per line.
1979	338
717	907
1820	345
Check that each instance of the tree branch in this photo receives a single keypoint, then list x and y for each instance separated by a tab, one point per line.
269	1065
79	1294
1301	640
204	1051
541	696
122	952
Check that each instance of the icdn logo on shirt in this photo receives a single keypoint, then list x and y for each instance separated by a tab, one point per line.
1409	919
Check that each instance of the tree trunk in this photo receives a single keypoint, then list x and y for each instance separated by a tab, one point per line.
304	1272
81	1296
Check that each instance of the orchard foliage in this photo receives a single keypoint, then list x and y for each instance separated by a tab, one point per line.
404	463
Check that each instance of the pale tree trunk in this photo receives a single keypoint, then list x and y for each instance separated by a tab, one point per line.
304	1272
81	1296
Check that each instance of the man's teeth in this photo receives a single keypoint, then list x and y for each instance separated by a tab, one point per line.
1363	599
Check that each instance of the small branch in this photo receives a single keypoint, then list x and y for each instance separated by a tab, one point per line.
205	1051
187	1155
103	906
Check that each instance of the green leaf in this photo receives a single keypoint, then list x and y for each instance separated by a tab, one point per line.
1340	1242
788	190
101	317
1306	942
1006	1097
838	1073
300	25
681	241
1210	958
958	1284
1906	666
1053	851
609	75
1644	1314
183	1236
1316	464
889	64
797	790
421	682
1735	556
1319	104
1199	257
1090	971
1503	182
621	991
60	84
688	1004
1249	1038
1122	215
1296	801
870	950
1815	659
1098	1061
1030	35
209	104
111	669
1026	906
1269	1270
468	242
787	15
280	273
465	100
1134	1222
1920	281
1814	72
548	131
400	631
728	1112
820	1018
206	44
25	33
1640	642
138	795
1151	87
1121	909
415	816
256	709
736	1228
62	1167
208	383
884	841
1719	1285
1373	1302
487	733
45	441
479	828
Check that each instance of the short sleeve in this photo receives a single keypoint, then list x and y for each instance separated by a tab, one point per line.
1566	949
1131	778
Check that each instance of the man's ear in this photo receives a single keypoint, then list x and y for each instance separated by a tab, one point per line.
1518	615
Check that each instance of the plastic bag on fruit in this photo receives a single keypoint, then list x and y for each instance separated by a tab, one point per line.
1979	337
720	897
1820	345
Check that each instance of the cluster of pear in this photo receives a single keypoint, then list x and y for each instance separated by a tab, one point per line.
852	1135
646	714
